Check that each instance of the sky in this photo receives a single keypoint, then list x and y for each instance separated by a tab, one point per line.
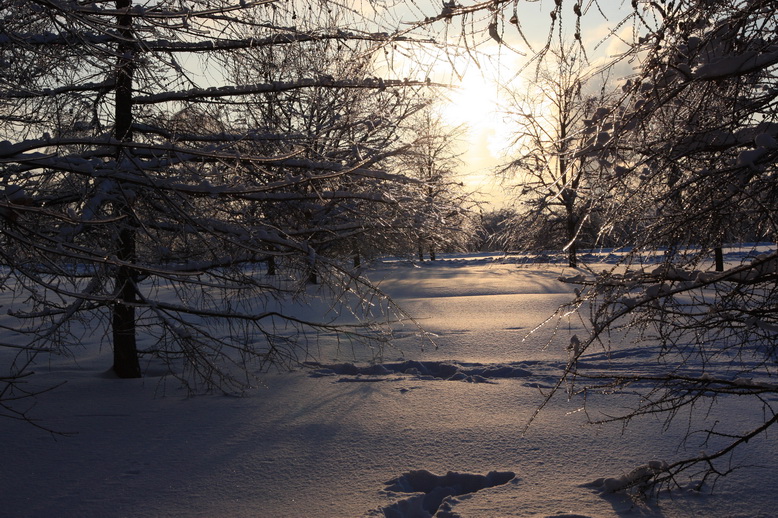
481	71
479	98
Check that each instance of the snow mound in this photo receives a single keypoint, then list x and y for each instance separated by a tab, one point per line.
639	478
437	491
470	373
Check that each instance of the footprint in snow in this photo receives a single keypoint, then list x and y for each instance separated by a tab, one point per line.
437	490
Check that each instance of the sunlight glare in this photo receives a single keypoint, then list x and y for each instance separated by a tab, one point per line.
478	105
474	102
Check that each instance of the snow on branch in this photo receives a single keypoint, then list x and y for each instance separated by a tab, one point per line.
103	86
155	12
278	86
281	38
737	65
53	39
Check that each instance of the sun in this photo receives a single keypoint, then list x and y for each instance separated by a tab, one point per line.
478	104
473	102
475	107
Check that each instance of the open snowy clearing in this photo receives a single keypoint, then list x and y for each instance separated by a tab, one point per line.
413	433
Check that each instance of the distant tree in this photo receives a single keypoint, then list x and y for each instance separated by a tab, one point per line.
347	125
491	229
137	196
553	183
439	211
692	143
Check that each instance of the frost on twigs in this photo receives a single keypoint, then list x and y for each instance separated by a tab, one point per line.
686	153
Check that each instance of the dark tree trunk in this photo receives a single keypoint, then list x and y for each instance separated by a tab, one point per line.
271	265
421	252
719	254
125	351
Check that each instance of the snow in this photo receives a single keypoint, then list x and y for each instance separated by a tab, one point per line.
765	140
749	157
421	428
737	64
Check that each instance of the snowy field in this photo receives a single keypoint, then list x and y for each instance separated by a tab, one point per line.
348	439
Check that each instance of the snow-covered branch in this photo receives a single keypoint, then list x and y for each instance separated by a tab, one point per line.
277	87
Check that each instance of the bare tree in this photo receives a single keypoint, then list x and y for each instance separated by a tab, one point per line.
137	199
692	143
439	213
342	125
554	182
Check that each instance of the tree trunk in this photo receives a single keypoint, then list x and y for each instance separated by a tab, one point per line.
125	351
572	250
719	254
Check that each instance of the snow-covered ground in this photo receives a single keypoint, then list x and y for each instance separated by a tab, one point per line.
349	439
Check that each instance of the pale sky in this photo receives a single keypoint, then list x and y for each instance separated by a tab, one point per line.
477	100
